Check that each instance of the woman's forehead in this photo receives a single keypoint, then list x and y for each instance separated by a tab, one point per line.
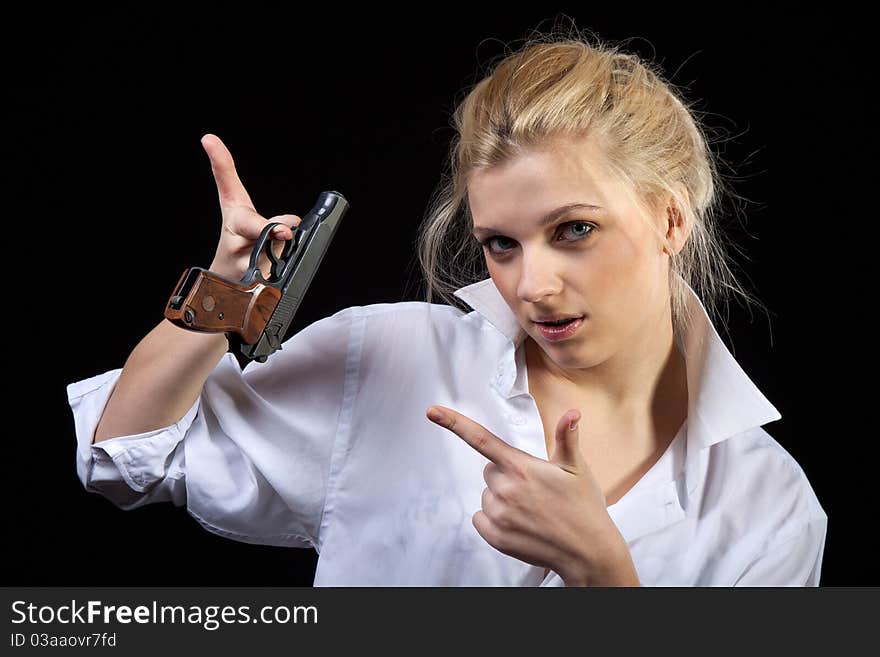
538	182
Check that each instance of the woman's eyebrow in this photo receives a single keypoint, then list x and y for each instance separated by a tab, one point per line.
547	218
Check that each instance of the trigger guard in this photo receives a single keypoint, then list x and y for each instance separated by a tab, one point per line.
277	263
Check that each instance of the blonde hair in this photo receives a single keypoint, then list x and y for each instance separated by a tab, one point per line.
560	86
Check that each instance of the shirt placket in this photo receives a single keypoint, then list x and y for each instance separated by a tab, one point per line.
526	429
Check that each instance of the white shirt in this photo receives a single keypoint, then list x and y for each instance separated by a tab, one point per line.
327	445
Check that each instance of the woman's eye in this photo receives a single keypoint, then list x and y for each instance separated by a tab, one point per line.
582	230
488	242
588	228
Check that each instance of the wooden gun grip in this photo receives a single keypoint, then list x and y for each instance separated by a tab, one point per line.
203	301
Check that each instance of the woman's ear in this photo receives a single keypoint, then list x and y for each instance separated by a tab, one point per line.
677	226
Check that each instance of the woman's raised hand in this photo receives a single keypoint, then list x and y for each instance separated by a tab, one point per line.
242	224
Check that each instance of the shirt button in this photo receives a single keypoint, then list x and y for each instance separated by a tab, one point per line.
516	419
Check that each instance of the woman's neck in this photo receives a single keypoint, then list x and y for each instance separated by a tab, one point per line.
648	377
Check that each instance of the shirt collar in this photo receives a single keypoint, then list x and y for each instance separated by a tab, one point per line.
722	399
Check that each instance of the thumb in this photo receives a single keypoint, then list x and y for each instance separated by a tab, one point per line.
566	450
285	231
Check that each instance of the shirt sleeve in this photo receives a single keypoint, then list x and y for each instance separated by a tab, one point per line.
793	561
251	457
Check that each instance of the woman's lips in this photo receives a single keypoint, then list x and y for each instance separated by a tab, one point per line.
561	332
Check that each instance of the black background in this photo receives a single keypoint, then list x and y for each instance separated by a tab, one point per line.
109	196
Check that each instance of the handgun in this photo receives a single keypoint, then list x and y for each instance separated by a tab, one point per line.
254	312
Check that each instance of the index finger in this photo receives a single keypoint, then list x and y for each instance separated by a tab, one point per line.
229	186
477	436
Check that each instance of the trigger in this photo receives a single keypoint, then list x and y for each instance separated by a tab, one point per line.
277	268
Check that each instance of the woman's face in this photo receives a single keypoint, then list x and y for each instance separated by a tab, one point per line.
604	263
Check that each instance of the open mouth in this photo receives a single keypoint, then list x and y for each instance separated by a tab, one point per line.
561	329
561	322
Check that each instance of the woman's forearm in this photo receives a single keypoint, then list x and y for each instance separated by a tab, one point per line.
160	380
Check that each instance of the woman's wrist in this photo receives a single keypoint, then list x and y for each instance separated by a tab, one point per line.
612	566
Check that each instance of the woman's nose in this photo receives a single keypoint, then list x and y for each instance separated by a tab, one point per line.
537	280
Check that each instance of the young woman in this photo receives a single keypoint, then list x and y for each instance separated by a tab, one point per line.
593	429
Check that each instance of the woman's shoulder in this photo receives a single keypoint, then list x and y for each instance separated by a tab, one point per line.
762	475
381	328
406	316
757	449
401	315
414	309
